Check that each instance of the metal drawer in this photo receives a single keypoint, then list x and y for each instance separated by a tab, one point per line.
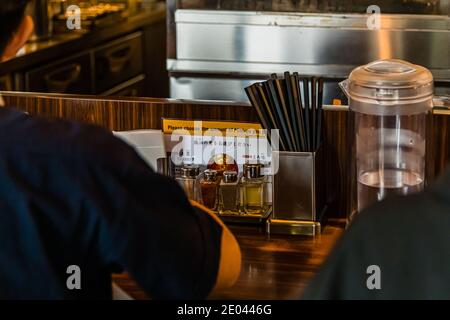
118	61
6	83
72	75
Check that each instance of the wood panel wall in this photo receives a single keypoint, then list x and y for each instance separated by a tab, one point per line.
146	113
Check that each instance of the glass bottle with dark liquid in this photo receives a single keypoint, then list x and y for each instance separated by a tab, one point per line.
209	188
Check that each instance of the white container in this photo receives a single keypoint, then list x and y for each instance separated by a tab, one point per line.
149	144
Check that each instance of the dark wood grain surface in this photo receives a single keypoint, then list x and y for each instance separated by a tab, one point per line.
273	267
115	113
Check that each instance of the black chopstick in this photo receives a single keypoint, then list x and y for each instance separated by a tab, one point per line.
280	85
256	102
319	111
313	112
306	106
295	85
264	95
284	132
295	118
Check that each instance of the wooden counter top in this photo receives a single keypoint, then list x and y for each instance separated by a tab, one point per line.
278	267
275	267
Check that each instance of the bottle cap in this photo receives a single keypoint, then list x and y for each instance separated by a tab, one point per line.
190	171
210	175
230	176
252	170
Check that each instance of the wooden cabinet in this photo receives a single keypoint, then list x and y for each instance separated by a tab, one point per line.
118	61
6	82
72	75
96	71
121	60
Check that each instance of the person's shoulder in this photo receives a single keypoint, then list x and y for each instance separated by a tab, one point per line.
61	138
392	208
406	215
419	204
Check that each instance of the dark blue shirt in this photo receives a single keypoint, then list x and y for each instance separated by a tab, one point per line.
73	194
407	240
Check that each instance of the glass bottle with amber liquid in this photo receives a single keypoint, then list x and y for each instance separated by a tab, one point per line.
253	189
209	185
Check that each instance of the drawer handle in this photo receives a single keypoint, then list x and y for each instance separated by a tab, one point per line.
5	83
118	58
132	92
59	80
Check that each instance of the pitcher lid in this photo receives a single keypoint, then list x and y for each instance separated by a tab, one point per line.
390	80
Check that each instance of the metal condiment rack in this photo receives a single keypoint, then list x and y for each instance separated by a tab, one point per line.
299	195
166	168
245	218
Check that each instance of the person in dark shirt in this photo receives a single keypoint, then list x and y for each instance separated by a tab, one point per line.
396	249
15	27
75	198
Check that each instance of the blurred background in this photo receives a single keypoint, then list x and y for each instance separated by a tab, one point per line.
212	49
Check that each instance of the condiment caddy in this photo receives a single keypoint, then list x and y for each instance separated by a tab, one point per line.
235	197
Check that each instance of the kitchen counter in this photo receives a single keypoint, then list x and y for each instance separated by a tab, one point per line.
36	53
130	113
273	267
276	267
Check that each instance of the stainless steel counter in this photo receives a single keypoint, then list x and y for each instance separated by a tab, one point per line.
236	48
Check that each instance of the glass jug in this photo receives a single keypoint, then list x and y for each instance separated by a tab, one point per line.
389	100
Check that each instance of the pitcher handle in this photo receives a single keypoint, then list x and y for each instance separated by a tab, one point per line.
344	86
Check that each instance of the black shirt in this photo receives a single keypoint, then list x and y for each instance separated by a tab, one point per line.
408	238
73	194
